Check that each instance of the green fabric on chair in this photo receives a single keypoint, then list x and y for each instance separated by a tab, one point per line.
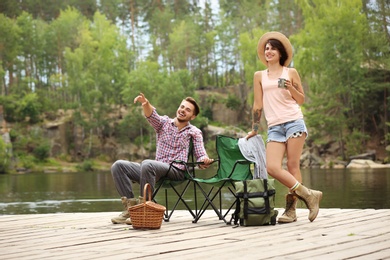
232	167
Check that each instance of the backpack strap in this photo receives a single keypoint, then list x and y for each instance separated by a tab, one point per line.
236	213
245	197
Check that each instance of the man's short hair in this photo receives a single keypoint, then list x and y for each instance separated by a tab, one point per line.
193	102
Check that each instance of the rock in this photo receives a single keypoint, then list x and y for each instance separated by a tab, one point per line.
310	160
213	131
362	164
370	155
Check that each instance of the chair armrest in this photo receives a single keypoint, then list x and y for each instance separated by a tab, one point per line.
190	166
244	162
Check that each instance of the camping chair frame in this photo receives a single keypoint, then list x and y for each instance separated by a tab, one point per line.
166	184
225	179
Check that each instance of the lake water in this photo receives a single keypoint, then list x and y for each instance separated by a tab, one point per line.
33	193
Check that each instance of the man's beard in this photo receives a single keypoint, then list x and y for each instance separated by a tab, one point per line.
181	120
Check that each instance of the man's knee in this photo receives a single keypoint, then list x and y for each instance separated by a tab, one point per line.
147	166
116	166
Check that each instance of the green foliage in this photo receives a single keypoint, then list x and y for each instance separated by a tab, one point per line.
248	50
210	149
21	108
29	108
208	113
232	102
200	121
46	10
141	140
387	136
9	32
30	142
42	151
133	124
355	142
86	166
70	56
5	156
332	66
26	161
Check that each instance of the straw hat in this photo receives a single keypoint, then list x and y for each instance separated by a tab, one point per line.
277	36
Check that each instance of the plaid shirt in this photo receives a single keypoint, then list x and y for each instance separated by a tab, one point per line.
172	143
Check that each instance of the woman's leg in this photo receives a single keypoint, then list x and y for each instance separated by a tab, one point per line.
274	155
294	152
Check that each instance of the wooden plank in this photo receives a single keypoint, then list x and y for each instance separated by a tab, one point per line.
335	234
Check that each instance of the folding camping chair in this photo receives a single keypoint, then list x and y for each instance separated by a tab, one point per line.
232	167
168	184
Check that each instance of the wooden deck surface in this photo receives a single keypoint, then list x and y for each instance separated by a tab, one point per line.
335	234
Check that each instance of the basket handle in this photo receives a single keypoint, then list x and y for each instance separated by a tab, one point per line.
148	189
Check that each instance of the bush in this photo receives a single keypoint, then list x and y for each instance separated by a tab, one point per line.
5	157
86	166
26	161
42	152
232	102
354	142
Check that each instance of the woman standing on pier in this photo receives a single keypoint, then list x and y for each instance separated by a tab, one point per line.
279	91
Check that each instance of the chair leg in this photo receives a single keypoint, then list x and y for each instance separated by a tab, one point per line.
180	198
208	202
166	214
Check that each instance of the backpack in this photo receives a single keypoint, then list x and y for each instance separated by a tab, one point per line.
255	202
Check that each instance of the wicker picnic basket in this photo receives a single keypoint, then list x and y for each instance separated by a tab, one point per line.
147	215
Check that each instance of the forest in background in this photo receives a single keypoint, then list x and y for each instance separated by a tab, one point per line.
93	57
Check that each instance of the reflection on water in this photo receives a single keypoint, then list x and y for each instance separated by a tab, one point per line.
95	192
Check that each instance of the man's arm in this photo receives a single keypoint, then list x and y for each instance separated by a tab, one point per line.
200	151
146	106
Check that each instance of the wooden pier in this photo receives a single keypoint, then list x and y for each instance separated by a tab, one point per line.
335	234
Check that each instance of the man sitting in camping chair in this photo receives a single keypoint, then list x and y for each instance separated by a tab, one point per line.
173	140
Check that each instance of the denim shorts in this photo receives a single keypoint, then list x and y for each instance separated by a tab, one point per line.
281	133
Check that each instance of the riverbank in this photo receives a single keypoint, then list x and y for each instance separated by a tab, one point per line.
61	166
56	165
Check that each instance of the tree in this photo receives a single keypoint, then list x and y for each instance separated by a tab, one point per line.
332	66
46	10
96	75
377	55
9	49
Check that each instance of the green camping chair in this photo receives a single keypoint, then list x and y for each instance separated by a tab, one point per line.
232	167
176	186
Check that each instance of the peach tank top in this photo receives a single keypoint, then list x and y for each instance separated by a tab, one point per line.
278	104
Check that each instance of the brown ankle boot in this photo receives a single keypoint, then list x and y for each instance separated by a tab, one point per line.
131	202
289	214
124	215
311	198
